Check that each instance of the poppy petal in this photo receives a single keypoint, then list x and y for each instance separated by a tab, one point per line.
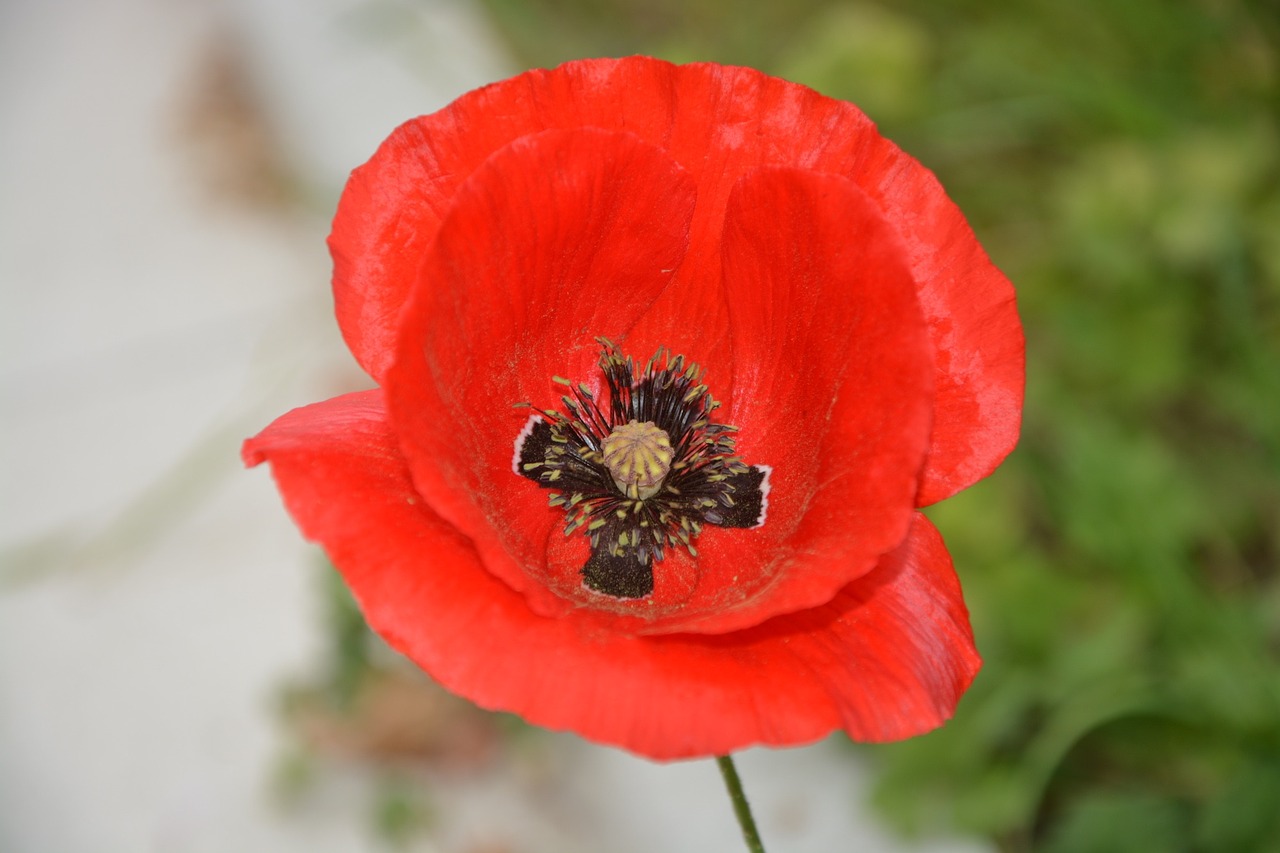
342	478
559	237
832	379
887	658
971	312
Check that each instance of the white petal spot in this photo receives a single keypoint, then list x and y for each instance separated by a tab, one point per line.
521	438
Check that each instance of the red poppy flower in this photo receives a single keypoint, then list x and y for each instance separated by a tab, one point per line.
668	358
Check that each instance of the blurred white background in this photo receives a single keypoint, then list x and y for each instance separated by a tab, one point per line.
167	170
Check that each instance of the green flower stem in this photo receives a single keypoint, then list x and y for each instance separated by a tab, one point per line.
740	807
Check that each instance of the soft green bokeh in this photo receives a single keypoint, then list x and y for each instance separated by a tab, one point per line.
1120	159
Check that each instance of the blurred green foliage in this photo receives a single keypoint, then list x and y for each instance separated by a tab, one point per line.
1120	159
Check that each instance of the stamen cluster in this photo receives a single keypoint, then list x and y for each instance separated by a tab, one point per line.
625	521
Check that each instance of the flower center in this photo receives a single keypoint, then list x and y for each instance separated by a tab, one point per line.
643	473
638	456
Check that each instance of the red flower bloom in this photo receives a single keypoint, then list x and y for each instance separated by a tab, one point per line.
692	588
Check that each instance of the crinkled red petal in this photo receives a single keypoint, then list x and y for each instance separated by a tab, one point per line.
832	382
973	323
887	658
558	237
719	123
